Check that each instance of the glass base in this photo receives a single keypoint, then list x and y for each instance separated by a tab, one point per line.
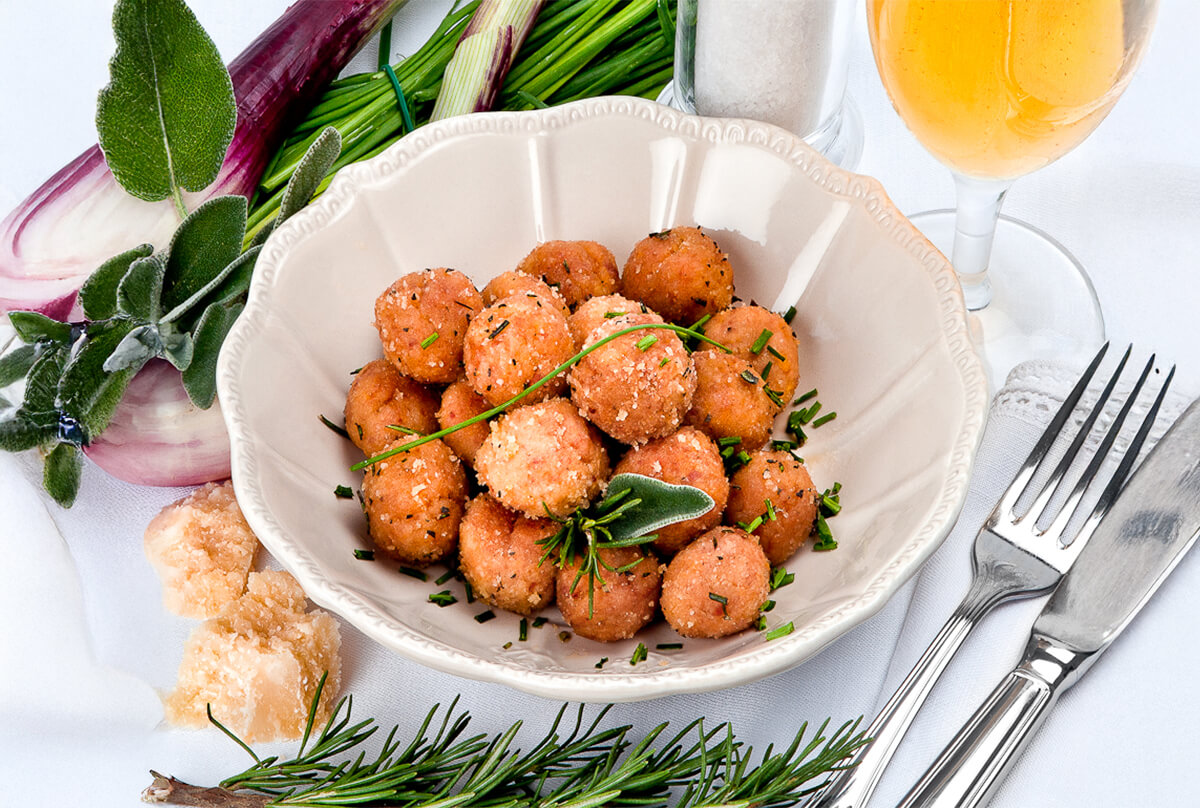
840	140
1043	305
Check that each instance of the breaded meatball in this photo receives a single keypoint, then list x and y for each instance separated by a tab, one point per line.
740	329
521	283
717	585
499	554
514	343
688	457
380	397
419	306
633	393
596	311
782	479
578	269
460	402
414	502
621	605
730	400
680	273
543	457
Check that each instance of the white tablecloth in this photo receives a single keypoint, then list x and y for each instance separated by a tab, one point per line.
86	644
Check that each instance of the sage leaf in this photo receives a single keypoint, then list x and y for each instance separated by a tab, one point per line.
137	347
230	282
61	472
98	295
84	381
18	433
661	504
41	386
207	241
15	364
139	293
200	378
166	117
176	349
32	327
310	172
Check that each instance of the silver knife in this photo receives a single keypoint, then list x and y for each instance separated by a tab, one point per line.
1141	539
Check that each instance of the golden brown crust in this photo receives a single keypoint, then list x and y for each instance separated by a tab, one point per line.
783	479
460	402
499	554
417	306
740	330
717	585
514	282
596	311
578	269
379	397
514	343
730	400
680	273
621	605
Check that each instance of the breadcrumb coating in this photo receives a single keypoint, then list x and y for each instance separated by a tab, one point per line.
717	585
781	478
422	318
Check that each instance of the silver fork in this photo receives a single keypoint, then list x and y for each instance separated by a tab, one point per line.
1012	558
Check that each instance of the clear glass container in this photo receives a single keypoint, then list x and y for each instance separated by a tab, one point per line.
784	62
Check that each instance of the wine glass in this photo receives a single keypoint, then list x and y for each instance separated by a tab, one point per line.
996	89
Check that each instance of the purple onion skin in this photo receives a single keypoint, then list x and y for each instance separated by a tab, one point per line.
80	217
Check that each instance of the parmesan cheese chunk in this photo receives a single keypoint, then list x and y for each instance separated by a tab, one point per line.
258	664
202	549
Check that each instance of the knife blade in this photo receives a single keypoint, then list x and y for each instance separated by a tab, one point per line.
1149	528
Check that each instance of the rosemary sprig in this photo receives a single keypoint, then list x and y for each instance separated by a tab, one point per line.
586	766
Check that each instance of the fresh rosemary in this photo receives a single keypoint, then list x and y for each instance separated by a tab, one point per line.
587	765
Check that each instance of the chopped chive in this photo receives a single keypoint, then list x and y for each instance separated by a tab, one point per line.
761	623
523	633
732	440
465	305
608	315
496	331
789	315
645	342
825	540
810	394
699	324
749	377
780	577
668	646
507	645
721	599
432	338
405	430
776	399
469	591
538	622
743	457
414	573
443	598
564	636
639	654
364	555
754	525
830	506
824	419
768	606
761	342
784	445
343	492
356	371
334	427
781	631
664	361
766	371
600	664
446	576
483	617
771	350
770	509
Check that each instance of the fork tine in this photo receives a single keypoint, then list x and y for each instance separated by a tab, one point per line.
1109	495
1021	481
1071	504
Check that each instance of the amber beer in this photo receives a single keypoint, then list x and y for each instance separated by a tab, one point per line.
998	88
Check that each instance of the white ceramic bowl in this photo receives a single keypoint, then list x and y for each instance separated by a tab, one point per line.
879	316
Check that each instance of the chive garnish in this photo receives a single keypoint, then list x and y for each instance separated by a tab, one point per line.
608	315
357	371
343	492
721	599
780	577
768	606
600	664
334	427
776	399
496	331
645	342
507	645
781	631
749	377
668	646
639	654
699	324
564	636
771	350
784	445
414	573
446	576
523	632
432	338
825	540
443	598
405	430
483	617
761	342
538	622
789	314
754	525
743	456
824	419
810	394
766	371
770	509
469	591
664	361
811	412
732	440
364	555
761	623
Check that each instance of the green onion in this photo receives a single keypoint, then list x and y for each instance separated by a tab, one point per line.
825	540
761	342
781	631
432	338
364	555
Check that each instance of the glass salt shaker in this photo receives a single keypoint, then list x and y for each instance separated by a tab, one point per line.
784	62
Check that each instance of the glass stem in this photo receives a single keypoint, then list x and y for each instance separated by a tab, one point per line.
974	226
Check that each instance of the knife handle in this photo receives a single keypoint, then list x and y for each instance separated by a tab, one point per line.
973	764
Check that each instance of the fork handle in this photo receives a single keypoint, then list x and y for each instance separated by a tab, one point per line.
853	787
967	772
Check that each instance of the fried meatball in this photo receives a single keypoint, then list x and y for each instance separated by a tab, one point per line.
688	457
578	269
512	344
716	585
460	402
782	479
380	397
740	329
621	605
596	311
414	502
633	393
420	305
521	283
543	457
680	273
499	554
730	400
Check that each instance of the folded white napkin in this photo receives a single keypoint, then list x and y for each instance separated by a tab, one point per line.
86	645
